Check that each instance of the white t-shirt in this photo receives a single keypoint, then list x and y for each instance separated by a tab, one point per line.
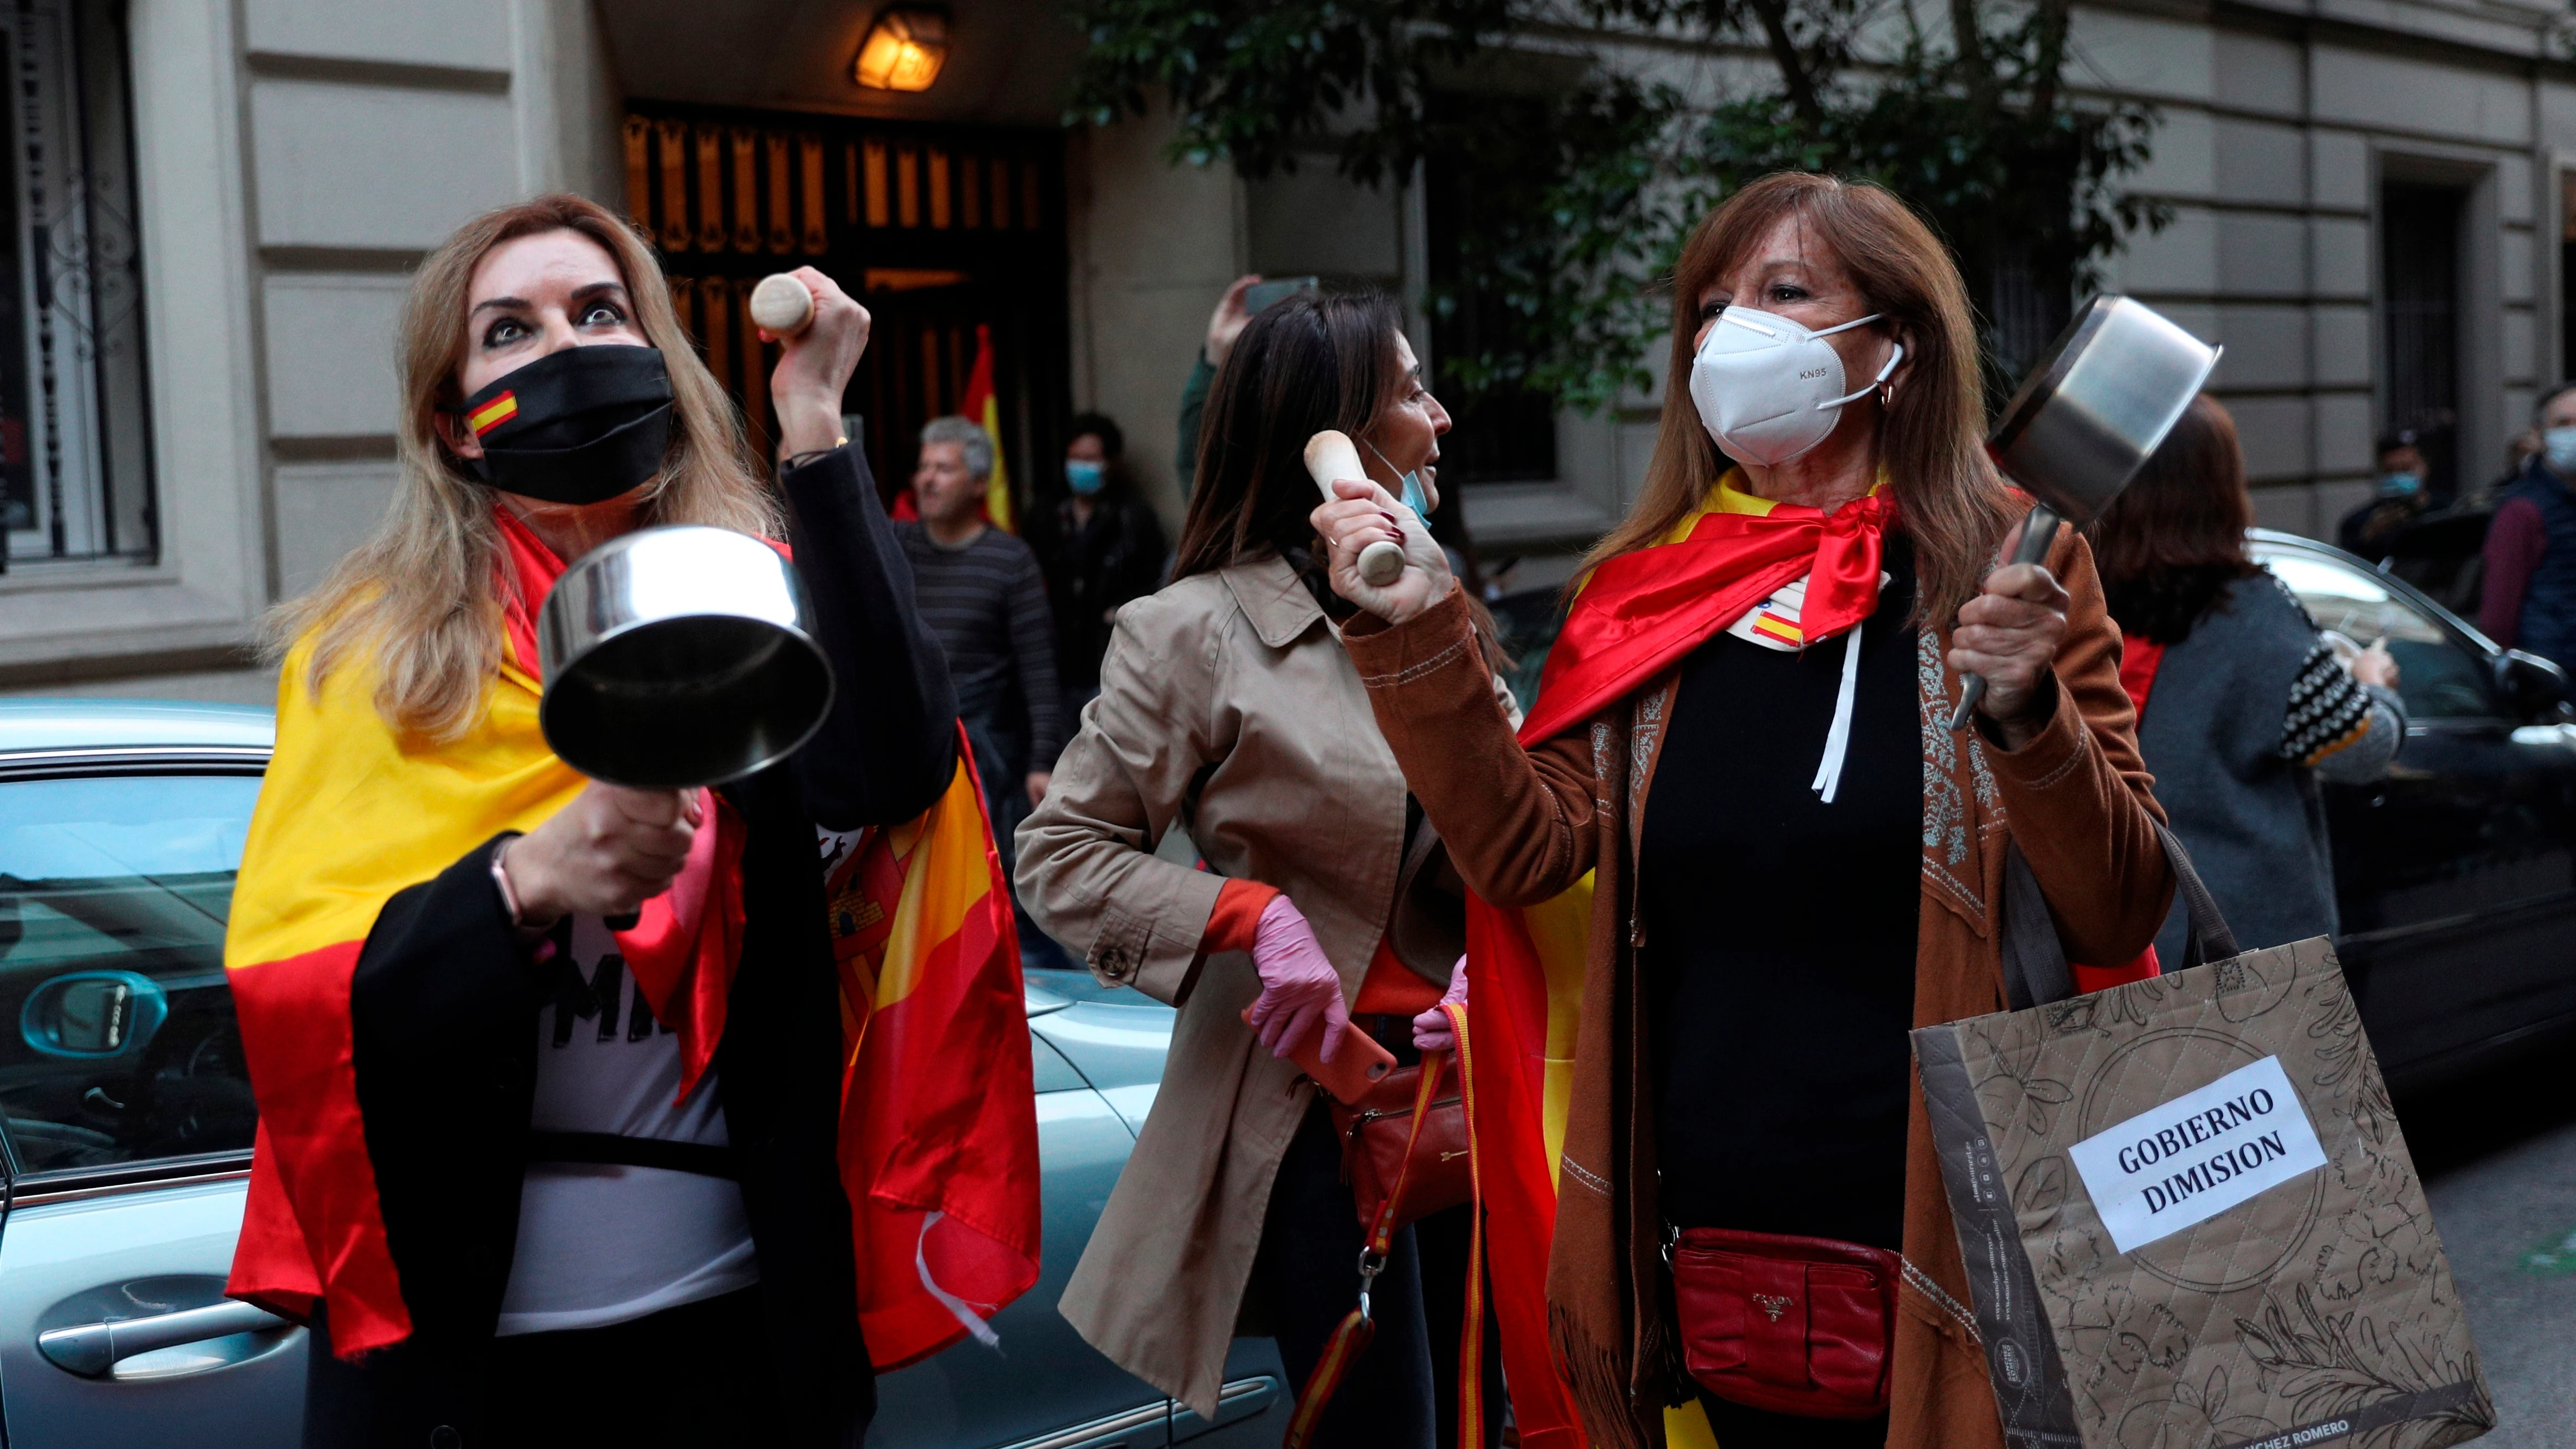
602	1244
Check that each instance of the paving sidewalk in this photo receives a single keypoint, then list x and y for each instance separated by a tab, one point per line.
2504	1199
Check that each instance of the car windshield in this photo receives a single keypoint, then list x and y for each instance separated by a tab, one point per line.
116	1030
2437	676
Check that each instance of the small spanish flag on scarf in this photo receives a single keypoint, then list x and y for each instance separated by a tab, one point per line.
938	1139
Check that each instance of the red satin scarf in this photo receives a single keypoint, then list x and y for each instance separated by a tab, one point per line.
1641	612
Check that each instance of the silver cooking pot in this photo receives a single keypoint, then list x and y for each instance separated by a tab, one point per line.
2092	410
679	656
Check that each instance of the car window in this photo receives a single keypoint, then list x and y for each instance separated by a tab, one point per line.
2437	676
117	1041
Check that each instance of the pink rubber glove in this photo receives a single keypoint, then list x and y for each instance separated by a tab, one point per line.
1431	1031
1301	993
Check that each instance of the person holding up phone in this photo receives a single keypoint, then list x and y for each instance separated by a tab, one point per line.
1246	295
1228	706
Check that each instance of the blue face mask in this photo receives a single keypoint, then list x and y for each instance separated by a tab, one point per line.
1084	476
2560	445
2400	485
1411	491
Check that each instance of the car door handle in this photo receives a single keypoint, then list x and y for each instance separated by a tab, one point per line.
91	1349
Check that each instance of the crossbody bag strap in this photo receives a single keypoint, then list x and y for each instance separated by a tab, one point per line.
1352	1336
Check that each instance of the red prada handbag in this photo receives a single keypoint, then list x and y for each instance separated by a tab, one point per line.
1378	1130
1785	1324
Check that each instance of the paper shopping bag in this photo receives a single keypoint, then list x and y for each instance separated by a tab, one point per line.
2190	1219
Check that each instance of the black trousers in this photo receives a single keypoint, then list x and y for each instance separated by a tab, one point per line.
1403	1392
691	1377
1737	1427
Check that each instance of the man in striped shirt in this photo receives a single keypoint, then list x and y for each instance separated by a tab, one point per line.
980	591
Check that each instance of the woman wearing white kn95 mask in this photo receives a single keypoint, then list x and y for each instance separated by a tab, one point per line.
1735	852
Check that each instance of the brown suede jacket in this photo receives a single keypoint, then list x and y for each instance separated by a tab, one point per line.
1523	825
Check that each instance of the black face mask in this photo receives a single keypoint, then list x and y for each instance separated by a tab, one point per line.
577	426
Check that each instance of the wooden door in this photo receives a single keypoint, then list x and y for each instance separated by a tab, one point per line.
938	230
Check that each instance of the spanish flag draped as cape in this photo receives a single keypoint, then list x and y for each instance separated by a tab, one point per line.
938	1138
1637	615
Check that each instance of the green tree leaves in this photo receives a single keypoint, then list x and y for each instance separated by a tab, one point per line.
1579	171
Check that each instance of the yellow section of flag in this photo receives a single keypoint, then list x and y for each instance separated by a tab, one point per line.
340	826
945	875
997	489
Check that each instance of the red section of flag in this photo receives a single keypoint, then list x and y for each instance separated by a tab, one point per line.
312	1228
938	1132
1507	1009
1644	610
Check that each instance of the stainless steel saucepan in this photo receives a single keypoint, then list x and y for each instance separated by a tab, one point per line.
679	656
2093	408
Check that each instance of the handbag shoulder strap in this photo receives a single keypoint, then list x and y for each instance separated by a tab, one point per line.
1351	1337
2034	960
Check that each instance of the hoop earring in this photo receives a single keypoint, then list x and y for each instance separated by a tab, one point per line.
1886	394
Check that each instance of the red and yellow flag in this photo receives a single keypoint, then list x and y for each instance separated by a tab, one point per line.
938	1132
937	1124
985	408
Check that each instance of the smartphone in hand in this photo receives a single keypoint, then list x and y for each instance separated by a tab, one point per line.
1360	1063
1265	294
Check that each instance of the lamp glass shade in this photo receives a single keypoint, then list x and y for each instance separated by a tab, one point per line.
904	50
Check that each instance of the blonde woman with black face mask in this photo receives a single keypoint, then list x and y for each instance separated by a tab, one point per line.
531	1172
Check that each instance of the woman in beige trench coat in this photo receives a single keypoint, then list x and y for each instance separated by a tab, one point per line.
1228	708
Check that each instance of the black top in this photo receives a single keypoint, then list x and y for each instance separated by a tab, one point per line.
1780	934
1092	567
444	997
986	603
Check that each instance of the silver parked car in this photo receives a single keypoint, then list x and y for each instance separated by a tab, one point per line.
126	1121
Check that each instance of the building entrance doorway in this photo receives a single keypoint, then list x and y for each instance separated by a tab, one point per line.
939	230
2419	261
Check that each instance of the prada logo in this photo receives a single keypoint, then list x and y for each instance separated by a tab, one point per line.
1772	1305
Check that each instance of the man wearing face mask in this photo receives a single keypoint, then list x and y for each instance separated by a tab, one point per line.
2403	497
1106	548
2530	591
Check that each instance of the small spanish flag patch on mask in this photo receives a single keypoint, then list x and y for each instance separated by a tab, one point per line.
493	414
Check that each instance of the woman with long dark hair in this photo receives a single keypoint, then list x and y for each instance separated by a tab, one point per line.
1741	760
1228	709
2244	706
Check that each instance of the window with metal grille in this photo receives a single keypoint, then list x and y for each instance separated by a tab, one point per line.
75	440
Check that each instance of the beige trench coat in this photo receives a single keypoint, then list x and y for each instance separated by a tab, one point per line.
1227	706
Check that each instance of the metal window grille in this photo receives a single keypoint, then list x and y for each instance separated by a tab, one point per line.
75	442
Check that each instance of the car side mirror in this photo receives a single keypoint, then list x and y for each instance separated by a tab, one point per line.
93	1014
2532	687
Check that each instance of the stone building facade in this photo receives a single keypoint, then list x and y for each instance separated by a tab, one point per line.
215	204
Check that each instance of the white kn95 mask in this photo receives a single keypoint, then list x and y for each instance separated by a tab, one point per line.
1768	389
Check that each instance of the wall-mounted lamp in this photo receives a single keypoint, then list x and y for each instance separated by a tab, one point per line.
904	49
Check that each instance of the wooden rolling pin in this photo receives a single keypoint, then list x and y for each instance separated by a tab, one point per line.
781	305
1329	455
